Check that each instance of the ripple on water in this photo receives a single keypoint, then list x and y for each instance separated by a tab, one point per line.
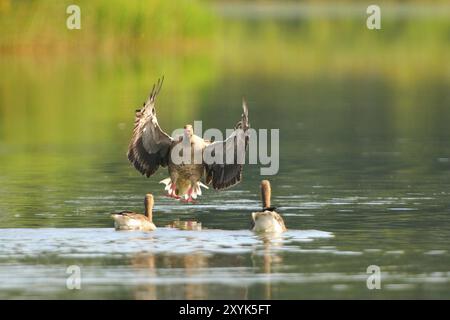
436	252
403	209
94	242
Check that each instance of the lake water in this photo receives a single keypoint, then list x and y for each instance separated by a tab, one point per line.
347	207
364	173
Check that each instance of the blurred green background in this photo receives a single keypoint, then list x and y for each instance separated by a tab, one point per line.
312	69
363	117
50	73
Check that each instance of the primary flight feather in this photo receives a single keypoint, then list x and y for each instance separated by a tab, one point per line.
150	148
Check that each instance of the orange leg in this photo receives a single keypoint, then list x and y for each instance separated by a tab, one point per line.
189	199
172	192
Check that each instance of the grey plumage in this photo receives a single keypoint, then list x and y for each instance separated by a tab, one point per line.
150	148
150	145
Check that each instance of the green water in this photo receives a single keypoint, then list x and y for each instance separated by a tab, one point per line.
364	172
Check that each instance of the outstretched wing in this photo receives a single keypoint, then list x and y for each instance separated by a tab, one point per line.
227	172
149	147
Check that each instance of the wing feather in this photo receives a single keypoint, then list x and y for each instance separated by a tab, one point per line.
227	174
149	147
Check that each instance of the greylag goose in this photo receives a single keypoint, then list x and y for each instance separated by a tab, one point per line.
127	220
150	147
267	220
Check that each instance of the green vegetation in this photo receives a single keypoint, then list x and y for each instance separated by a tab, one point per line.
67	97
106	26
409	46
63	86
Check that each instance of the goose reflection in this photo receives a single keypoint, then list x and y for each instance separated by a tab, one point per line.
265	258
184	267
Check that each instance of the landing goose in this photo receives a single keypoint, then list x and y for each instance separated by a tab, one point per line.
150	148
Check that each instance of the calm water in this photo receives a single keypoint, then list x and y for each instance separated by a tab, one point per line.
364	179
349	202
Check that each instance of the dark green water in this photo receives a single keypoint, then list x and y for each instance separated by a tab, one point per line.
376	197
364	177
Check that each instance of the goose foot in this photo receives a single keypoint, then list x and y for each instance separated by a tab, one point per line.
171	193
188	197
188	200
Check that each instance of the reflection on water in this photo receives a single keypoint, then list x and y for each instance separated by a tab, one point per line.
166	263
90	243
186	225
169	264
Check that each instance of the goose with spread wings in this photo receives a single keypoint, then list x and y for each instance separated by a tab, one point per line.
218	163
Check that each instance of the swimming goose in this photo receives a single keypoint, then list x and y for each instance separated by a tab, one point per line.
150	147
267	220
127	220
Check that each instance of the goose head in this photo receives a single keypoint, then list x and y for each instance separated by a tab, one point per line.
188	131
